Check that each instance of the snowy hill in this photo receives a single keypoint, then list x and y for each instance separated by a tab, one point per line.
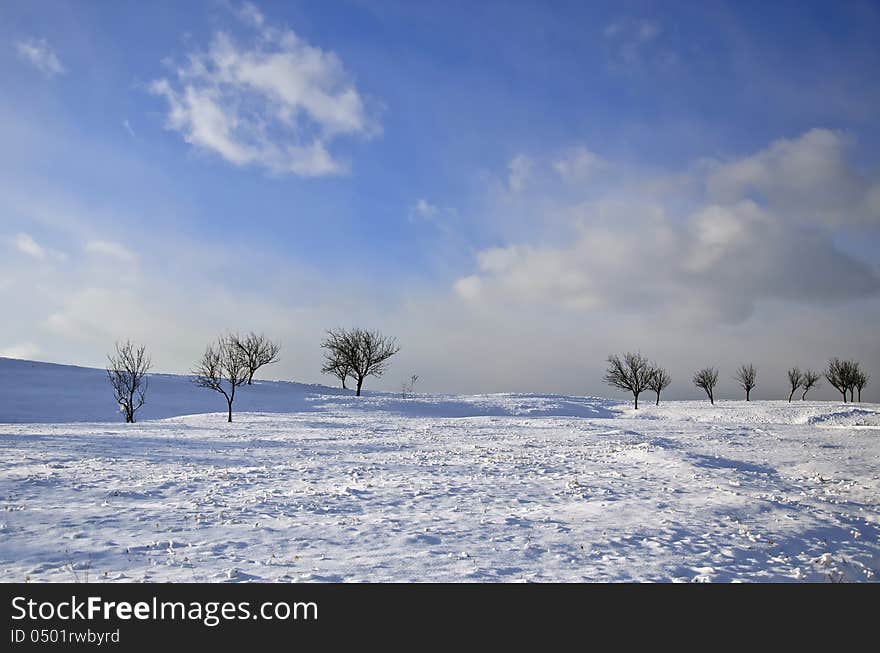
46	392
312	484
33	392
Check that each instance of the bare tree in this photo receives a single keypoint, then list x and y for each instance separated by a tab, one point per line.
658	381
849	371
747	377
632	373
795	380
851	374
258	350
809	380
357	353
338	367
861	380
223	368
707	379
127	370
407	388
837	374
339	350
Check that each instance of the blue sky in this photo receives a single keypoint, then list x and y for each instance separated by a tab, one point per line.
513	189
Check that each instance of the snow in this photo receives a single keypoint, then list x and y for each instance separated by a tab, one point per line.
313	484
46	392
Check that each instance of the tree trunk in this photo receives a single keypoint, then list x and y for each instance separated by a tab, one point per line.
637	400
657	403
804	396
844	395
360	383
250	377
791	395
229	415
711	399
860	395
747	394
343	385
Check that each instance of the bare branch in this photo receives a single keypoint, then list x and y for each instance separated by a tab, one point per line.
795	380
407	388
258	351
357	353
127	370
707	379
860	380
632	373
339	351
839	375
747	377
658	381
810	380
224	367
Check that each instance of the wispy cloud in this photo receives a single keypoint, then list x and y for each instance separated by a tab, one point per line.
631	44
250	13
277	102
424	209
579	164
38	53
441	217
108	248
27	245
641	31
519	169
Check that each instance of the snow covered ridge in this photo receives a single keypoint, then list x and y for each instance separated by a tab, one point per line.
316	485
50	393
819	413
34	392
46	392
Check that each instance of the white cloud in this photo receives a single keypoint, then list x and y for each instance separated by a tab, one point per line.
108	248
693	257
424	209
250	13
636	43
27	245
38	53
579	165
128	127
443	218
807	177
277	103
520	168
468	288
498	259
23	351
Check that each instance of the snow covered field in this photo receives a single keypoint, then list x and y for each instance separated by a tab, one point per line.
319	486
